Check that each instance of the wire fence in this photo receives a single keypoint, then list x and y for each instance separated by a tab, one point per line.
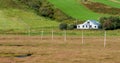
83	36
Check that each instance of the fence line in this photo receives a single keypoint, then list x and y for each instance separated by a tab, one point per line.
65	34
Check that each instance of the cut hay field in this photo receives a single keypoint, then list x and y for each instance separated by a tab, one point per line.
58	51
112	3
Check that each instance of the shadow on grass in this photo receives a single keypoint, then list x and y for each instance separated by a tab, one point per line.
15	55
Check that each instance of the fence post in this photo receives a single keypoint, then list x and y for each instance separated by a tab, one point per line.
42	34
52	34
82	37
104	39
29	31
65	38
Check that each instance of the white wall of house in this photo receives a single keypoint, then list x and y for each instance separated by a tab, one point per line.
89	25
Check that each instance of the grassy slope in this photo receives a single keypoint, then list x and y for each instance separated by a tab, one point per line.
19	19
109	3
75	9
14	16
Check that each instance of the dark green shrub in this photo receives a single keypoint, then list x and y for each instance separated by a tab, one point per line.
63	26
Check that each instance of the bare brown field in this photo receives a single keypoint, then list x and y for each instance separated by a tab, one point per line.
58	50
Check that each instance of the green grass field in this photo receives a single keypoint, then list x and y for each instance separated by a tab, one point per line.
74	9
109	3
20	19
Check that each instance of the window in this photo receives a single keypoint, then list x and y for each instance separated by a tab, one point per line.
95	26
88	22
83	26
90	26
78	26
86	26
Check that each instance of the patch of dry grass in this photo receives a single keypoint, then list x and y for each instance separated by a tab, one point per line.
59	51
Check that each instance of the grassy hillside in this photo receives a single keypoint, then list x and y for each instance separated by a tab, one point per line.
112	3
75	9
19	14
11	4
13	19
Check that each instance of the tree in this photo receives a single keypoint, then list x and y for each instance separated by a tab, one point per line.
110	23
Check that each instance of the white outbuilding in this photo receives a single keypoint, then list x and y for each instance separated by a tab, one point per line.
89	24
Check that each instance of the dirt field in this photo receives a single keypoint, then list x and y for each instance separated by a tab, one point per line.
58	50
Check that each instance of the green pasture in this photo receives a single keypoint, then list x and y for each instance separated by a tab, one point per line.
14	19
75	9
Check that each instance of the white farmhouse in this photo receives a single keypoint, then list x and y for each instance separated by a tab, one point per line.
89	24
